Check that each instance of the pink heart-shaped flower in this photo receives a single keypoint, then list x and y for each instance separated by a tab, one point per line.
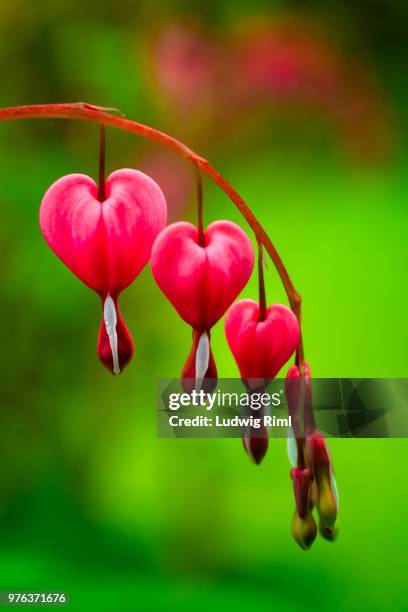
261	348
202	281
106	244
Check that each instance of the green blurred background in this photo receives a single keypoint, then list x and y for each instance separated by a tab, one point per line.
304	110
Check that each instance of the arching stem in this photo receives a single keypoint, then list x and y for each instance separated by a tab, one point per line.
83	111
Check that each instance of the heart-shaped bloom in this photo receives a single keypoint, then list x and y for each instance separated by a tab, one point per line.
105	243
261	347
202	280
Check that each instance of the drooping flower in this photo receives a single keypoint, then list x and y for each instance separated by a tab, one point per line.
201	278
261	345
105	243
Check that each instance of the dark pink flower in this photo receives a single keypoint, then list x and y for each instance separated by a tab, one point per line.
105	243
261	347
202	280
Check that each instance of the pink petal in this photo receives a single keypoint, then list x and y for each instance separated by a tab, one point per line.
202	281
261	348
106	244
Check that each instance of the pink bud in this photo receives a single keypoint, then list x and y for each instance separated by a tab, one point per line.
293	371
301	478
261	348
298	392
256	447
105	244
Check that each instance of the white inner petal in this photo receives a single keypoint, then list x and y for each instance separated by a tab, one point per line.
292	447
202	360
111	319
335	491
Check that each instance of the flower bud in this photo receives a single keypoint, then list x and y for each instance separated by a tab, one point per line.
329	533
318	459
298	392
304	530
256	447
301	484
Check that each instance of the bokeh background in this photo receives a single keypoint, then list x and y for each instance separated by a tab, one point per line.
303	107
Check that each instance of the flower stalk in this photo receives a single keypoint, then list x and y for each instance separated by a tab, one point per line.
261	284
200	224
102	164
82	111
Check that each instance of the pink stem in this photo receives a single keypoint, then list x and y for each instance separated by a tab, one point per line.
82	111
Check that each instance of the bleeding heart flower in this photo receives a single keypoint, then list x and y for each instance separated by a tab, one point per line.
261	347
202	280
105	243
